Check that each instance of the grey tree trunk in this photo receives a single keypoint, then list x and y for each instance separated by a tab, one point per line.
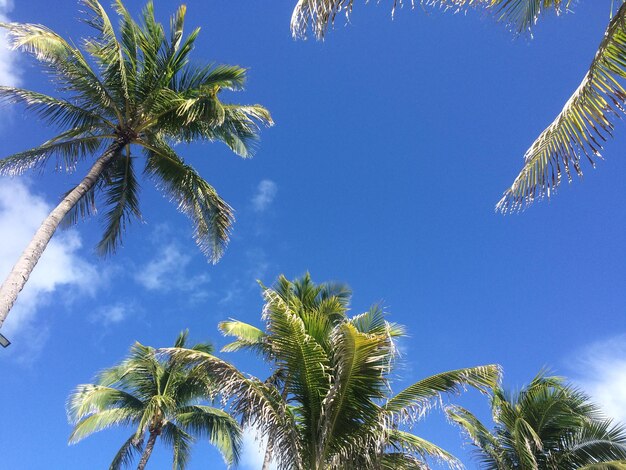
20	273
148	450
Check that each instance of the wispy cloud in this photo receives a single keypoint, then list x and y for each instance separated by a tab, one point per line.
603	368
112	314
9	70
264	196
253	451
168	271
61	266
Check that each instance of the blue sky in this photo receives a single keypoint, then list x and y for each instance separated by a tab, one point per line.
393	142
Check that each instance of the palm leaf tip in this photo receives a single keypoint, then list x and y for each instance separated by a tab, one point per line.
586	121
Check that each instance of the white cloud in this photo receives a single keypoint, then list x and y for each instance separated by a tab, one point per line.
168	270
9	71
266	192
602	366
253	451
21	213
112	314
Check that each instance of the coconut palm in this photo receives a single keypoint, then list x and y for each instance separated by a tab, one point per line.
548	425
160	398
578	131
327	403
125	99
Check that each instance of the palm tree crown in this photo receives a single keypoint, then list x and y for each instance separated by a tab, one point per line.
549	425
161	398
118	95
327	404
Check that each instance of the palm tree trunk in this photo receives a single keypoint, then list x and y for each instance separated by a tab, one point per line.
148	450
20	273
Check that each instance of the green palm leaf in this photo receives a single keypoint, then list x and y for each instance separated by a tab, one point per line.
180	442
587	119
211	215
122	196
215	424
413	399
129	450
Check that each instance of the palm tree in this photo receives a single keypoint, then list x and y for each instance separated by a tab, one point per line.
137	92
160	398
588	117
327	402
548	425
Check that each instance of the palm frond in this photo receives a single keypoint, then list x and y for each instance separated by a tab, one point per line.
414	399
218	426
587	119
476	431
70	67
360	364
125	456
519	15
248	336
66	151
401	461
56	111
522	15
122	196
107	50
613	465
211	215
412	444
180	442
85	207
102	420
88	399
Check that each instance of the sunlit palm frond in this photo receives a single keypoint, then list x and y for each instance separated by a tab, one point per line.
481	437
248	336
211	215
210	77
401	461
66	151
519	15
614	465
56	111
586	120
414	445
71	69
89	398
106	49
414	399
360	365
102	420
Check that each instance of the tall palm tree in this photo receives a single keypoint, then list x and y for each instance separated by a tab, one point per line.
117	96
160	398
327	403
548	425
588	117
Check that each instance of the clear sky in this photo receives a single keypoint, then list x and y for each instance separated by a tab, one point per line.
393	142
